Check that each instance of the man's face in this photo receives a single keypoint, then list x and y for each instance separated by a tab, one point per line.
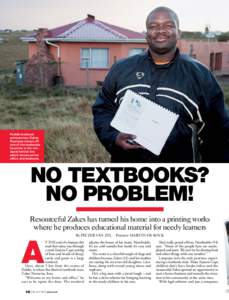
162	32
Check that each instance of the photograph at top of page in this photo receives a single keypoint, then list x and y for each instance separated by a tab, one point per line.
66	70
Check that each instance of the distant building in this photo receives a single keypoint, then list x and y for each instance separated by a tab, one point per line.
215	55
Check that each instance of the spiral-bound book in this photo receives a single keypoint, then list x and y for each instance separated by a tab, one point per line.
149	121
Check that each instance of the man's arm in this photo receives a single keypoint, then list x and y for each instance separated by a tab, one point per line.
104	110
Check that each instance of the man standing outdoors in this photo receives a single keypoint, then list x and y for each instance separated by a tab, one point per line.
174	81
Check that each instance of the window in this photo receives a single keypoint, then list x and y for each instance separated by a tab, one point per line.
94	58
216	61
134	51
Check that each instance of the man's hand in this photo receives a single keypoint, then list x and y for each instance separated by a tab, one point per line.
123	140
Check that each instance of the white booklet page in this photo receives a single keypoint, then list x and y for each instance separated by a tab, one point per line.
150	122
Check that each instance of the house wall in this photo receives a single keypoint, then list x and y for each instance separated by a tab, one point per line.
73	74
71	71
203	49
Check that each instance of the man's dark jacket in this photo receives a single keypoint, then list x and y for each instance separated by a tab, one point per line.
184	86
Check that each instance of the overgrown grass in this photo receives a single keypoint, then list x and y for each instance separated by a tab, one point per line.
64	113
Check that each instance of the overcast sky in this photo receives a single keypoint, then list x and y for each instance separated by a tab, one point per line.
32	14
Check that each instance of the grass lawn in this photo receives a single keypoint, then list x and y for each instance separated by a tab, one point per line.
65	116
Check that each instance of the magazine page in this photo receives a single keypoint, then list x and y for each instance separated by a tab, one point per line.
95	211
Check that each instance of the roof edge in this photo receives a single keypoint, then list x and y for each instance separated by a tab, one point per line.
141	41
